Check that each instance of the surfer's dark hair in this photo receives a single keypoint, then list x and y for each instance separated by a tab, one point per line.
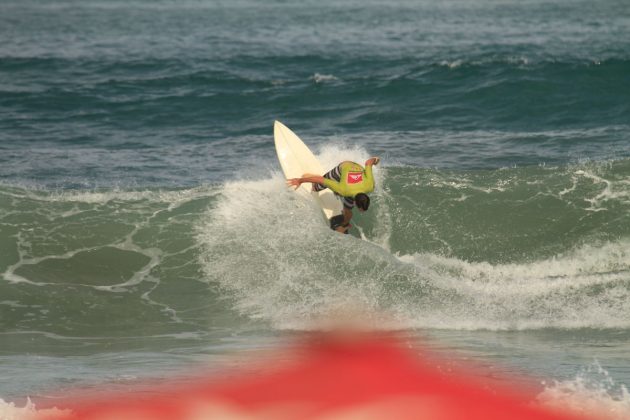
362	201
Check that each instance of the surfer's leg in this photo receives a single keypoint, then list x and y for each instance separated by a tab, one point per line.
338	224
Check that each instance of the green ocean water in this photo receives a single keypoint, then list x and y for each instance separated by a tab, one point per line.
145	226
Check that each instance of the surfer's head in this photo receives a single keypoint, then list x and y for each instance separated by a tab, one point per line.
362	201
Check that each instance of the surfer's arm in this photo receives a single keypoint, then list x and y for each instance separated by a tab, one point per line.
347	216
369	176
296	182
335	186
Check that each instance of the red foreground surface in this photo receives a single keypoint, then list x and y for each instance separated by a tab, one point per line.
359	378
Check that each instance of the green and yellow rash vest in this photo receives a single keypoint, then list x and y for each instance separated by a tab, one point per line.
353	179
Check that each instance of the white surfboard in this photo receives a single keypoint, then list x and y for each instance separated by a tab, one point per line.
296	159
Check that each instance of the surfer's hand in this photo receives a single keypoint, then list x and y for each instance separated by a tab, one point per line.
294	182
372	161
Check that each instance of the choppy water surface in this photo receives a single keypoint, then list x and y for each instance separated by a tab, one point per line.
138	174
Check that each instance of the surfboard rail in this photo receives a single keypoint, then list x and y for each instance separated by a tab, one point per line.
297	159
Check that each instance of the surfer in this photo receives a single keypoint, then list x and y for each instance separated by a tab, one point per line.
349	181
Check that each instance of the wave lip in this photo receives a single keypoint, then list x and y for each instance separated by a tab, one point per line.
510	249
588	288
297	271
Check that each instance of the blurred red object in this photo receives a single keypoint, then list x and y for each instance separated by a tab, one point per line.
363	377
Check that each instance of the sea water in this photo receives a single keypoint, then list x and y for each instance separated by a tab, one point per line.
145	226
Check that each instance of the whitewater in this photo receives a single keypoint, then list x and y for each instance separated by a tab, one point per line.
83	267
145	228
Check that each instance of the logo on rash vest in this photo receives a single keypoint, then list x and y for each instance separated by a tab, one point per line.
355	177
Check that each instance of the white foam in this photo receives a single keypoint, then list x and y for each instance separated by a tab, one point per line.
272	251
102	197
452	64
269	247
249	237
593	392
617	190
512	60
10	411
584	288
322	78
